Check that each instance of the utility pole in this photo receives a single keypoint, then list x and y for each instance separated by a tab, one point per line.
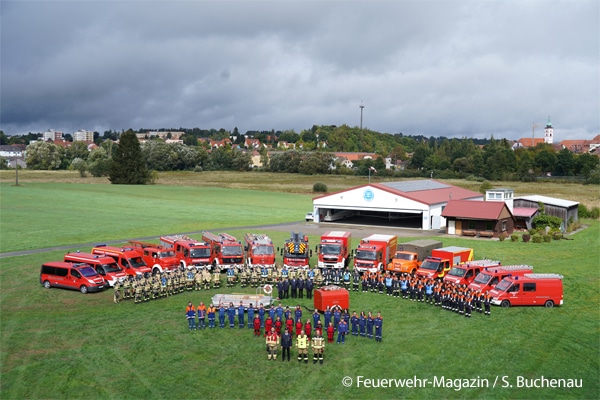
361	113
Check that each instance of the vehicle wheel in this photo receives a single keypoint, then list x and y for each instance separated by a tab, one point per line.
155	271
549	304
413	272
83	289
505	303
47	284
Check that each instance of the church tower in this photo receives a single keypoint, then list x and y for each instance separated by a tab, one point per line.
549	133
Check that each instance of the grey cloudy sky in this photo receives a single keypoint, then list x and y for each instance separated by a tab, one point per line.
451	68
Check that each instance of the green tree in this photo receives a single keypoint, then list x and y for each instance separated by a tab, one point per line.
3	138
565	163
77	150
420	154
544	160
241	161
585	163
128	165
44	155
316	163
98	163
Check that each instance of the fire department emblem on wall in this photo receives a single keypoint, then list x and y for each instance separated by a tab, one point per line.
368	195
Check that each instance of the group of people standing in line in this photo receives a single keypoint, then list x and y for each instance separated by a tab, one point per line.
281	323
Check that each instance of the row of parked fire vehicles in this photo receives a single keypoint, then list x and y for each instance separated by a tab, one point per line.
378	253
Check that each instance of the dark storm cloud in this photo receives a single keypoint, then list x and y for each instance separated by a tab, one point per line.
454	68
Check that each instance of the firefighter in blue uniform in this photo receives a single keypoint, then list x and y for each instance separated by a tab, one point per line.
354	323
378	324
231	314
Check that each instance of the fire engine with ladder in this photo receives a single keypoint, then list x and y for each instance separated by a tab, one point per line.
295	251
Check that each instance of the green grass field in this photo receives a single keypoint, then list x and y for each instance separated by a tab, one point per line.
62	344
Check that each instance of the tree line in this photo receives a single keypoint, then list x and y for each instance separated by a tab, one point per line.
441	157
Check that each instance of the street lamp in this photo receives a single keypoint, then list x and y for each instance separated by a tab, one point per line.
361	113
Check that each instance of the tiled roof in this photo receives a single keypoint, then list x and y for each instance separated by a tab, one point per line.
489	210
427	191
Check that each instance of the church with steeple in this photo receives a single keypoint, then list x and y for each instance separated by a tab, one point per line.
549	132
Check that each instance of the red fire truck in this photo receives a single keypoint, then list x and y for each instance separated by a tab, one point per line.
157	257
375	252
259	250
334	250
442	260
190	252
295	252
228	251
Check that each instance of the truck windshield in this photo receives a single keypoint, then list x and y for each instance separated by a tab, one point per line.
331	249
404	256
137	262
502	286
365	255
88	272
430	265
232	250
166	254
110	268
455	271
263	250
200	253
482	278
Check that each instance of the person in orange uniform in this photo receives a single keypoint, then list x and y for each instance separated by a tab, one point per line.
201	316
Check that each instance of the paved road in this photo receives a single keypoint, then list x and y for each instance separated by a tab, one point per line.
309	228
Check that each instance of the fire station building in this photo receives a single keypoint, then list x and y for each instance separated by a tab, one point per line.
405	204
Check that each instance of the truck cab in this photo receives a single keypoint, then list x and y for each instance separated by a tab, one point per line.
191	253
374	253
259	250
490	277
160	259
226	249
465	273
296	253
334	250
128	259
433	268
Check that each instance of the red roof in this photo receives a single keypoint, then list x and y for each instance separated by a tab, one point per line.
433	192
468	209
524	212
425	191
530	142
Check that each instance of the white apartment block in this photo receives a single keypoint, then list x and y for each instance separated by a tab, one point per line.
83	136
52	135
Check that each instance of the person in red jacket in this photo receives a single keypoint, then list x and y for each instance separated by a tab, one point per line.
278	325
268	325
308	328
299	327
289	325
330	332
256	324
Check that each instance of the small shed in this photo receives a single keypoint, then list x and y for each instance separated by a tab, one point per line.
564	209
478	218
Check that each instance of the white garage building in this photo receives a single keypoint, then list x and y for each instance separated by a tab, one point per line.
406	204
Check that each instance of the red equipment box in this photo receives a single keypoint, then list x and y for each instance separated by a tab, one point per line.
331	296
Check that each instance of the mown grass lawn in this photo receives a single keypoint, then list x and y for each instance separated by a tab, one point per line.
62	344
